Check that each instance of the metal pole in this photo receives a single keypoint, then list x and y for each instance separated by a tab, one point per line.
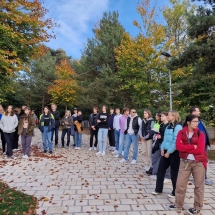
170	90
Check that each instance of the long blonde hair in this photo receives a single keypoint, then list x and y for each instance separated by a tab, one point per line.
1	109
176	115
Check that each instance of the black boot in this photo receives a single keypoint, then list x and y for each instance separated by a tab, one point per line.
149	172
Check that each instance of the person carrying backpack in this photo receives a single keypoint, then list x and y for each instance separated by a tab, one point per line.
191	146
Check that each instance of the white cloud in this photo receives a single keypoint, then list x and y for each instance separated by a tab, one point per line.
76	19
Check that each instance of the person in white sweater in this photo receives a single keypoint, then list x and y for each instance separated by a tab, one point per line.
8	124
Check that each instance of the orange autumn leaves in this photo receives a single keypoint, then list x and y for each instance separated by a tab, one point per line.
65	88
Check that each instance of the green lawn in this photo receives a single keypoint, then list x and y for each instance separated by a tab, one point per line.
14	202
211	155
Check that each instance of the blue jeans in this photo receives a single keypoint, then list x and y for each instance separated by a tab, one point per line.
55	130
121	143
78	139
116	135
46	135
131	138
102	135
64	132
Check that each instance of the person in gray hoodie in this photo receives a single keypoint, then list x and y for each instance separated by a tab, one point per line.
8	125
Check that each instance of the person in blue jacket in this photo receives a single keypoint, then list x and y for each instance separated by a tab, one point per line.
111	136
46	125
170	156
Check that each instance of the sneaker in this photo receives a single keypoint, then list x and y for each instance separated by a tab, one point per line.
90	149
76	147
26	156
171	195
192	211
154	177
103	153
122	160
116	156
155	193
95	148
44	151
23	156
13	157
149	172
166	181
99	153
133	162
114	149
115	152
172	207
4	153
208	182
50	152
110	149
147	168
73	145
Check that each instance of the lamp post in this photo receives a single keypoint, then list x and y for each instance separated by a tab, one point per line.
166	54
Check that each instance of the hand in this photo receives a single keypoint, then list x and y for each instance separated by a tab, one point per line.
62	123
66	123
162	152
98	121
195	146
142	138
109	128
159	136
166	155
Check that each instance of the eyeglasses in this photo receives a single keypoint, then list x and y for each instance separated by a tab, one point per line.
134	112
195	121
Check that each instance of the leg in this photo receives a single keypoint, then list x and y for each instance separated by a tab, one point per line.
155	161
76	138
53	131
3	140
23	139
127	146
181	186
113	138
109	137
68	131
163	165
49	136
121	143
149	151
8	138
15	139
91	137
100	139
79	139
116	136
28	145
96	137
174	167
63	136
198	171
145	153
105	133
44	137
135	146
56	135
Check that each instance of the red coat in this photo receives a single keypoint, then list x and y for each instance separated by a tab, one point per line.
185	148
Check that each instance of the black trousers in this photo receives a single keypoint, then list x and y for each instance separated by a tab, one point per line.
93	133
9	138
64	132
15	139
111	137
173	162
3	141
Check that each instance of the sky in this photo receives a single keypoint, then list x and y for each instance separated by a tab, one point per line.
76	19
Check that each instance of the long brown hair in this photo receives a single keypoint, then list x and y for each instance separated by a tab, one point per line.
12	112
48	110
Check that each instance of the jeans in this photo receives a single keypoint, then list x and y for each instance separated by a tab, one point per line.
9	137
64	132
92	134
3	140
121	143
131	138
26	142
111	137
102	136
55	130
78	139
116	135
46	136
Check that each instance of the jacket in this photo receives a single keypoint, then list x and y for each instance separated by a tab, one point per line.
91	123
185	148
136	122
31	125
56	115
110	122
79	119
69	120
122	123
170	135
146	126
8	124
51	123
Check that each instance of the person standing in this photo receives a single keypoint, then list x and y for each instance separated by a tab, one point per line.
146	125
93	128
78	130
46	125
74	115
103	125
191	146
111	130
132	131
55	130
116	128
18	113
202	127
122	124
34	116
170	156
1	132
66	122
26	129
8	125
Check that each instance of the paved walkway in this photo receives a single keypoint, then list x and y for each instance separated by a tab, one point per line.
79	182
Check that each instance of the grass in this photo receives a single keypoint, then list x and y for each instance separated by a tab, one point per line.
13	202
211	155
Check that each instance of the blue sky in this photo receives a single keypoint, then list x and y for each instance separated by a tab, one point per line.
77	18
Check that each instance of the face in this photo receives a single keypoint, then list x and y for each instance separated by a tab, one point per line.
170	117
67	113
46	110
27	111
32	112
75	111
145	115
95	110
163	118
127	112
157	117
9	109
53	107
196	112
133	112
23	107
111	111
79	113
117	111
103	109
194	123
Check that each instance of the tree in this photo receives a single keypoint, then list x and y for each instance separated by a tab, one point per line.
65	89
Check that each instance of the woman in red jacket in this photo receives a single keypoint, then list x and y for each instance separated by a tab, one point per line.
191	146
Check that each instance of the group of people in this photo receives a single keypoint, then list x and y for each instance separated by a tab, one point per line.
171	149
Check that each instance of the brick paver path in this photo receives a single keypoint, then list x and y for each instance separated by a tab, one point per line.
79	182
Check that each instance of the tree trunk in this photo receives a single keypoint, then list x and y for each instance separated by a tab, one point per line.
43	103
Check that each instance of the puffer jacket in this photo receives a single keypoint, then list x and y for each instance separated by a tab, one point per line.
31	125
170	135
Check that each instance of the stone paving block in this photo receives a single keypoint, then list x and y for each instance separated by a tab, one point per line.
117	213
74	209
96	202
133	213
105	208
154	207
81	202
52	210
89	209
168	212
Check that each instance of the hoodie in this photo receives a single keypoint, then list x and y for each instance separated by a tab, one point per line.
8	124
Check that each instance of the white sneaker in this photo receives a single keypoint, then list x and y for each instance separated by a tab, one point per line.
90	149
154	177
122	160
95	148
147	168
4	153
113	148
13	157
103	153
26	156
110	149
122	153
116	156
155	193
76	147
23	156
166	181
133	162
115	152
99	153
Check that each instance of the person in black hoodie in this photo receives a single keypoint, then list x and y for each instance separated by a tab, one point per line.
111	136
102	123
55	130
93	128
78	129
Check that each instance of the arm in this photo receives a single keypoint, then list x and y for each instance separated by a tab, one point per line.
57	115
152	124
164	140
90	121
140	128
70	121
15	121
